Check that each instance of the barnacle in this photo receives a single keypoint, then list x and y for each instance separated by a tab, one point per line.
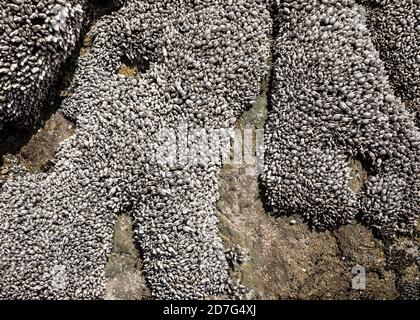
62	221
339	78
395	32
36	38
331	100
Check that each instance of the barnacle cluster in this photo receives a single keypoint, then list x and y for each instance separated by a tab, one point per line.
36	38
331	100
395	30
201	63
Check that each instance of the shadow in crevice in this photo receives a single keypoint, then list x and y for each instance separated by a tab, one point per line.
103	7
130	67
267	89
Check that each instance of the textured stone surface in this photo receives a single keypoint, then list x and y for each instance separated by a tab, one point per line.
125	280
43	145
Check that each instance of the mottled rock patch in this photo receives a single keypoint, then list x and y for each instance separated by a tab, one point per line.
125	280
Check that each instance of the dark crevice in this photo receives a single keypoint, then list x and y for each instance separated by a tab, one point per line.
272	59
275	19
38	21
368	3
366	164
130	67
104	7
143	64
267	89
128	62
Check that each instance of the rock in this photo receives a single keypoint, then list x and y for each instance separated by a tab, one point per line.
43	145
124	278
358	245
123	236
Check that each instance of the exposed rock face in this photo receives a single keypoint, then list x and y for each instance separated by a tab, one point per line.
38	153
125	280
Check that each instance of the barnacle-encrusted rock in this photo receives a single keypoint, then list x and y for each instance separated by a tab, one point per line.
200	63
395	29
36	38
331	100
